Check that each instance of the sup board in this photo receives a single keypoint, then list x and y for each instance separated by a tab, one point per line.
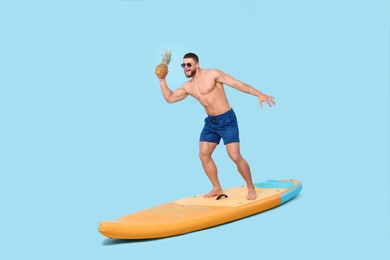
196	212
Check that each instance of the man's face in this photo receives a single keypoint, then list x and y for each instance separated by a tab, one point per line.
189	66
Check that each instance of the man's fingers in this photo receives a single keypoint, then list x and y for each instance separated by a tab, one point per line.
270	103
269	100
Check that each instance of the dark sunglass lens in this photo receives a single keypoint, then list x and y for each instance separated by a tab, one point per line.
186	64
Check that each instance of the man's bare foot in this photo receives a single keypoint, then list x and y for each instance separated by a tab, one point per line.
214	192
251	194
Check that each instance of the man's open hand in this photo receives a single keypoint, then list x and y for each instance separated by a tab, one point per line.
267	99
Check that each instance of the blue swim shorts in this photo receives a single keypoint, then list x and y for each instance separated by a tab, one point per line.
222	126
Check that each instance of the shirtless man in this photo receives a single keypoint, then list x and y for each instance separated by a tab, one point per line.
206	85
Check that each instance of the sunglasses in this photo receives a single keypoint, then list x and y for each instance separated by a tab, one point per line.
183	65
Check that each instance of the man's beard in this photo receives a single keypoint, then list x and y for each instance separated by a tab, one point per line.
192	73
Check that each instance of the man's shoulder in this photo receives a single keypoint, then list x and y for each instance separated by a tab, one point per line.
215	73
211	70
186	85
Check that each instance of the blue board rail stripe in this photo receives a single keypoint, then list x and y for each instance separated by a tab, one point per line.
291	193
273	184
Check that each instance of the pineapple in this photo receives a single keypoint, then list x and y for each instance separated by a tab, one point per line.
162	68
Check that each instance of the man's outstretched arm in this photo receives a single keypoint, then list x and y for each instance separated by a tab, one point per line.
234	83
171	97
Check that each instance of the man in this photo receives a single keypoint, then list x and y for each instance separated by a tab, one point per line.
206	85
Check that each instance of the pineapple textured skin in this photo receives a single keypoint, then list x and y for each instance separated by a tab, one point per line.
162	69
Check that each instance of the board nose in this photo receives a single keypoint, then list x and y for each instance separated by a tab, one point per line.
102	227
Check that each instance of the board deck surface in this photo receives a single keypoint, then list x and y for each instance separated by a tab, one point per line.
196	212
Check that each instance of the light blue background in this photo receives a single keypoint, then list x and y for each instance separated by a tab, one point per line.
86	135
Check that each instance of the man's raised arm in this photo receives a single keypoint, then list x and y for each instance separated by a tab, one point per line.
234	83
172	97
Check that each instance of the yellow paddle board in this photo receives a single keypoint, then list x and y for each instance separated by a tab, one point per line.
196	213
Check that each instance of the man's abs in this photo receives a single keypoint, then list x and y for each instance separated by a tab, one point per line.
216	108
215	103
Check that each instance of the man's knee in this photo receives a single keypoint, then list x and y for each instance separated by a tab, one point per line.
236	157
204	156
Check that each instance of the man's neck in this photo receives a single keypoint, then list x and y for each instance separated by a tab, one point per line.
197	74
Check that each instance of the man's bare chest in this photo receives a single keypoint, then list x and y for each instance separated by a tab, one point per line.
202	88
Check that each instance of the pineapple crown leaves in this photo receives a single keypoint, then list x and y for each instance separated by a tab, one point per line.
166	57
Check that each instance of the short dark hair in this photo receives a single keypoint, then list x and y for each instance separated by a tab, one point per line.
191	55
